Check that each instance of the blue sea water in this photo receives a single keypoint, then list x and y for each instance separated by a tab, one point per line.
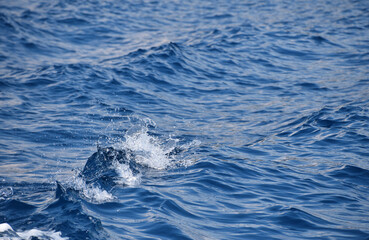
184	119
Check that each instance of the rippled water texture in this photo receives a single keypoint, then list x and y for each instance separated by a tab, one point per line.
184	119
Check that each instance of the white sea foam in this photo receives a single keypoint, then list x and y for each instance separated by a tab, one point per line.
4	227
147	151
30	234
91	192
7	232
126	175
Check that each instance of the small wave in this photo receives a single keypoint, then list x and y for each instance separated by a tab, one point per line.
7	232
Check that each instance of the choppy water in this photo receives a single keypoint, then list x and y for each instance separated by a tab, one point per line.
184	119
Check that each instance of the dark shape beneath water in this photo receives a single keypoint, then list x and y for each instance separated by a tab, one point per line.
100	167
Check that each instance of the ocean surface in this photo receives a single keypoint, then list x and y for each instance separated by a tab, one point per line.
147	119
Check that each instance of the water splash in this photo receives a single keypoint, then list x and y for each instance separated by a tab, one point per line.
127	158
91	192
147	149
127	177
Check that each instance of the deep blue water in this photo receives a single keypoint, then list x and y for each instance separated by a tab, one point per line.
184	119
